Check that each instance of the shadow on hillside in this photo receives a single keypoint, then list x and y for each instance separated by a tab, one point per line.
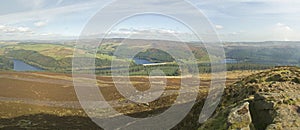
46	121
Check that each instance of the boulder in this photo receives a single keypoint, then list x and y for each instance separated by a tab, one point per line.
239	117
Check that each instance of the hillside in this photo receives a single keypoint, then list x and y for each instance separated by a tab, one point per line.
264	100
276	53
267	100
5	64
43	100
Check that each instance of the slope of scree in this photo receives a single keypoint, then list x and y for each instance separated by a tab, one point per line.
272	100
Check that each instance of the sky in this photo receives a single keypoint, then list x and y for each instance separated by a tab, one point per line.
233	20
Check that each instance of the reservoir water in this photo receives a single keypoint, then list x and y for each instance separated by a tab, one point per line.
22	66
230	61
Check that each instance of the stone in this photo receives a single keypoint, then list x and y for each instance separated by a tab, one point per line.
239	118
24	123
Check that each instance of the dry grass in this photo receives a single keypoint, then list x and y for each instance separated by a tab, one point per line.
26	90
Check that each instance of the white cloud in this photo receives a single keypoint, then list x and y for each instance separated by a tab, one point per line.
219	27
2	27
279	24
48	34
283	32
231	14
151	33
23	29
145	31
234	33
283	28
40	23
13	29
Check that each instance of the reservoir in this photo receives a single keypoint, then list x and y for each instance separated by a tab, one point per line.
22	66
230	61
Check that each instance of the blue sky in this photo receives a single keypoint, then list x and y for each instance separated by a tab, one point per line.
234	20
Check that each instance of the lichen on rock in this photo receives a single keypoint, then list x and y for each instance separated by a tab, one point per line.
267	100
239	118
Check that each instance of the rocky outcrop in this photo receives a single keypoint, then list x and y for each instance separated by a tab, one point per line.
262	111
240	118
273	97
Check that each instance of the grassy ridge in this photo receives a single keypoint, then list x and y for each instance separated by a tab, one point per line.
155	55
51	50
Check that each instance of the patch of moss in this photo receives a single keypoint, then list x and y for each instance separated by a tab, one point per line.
296	80
289	102
217	123
253	80
276	77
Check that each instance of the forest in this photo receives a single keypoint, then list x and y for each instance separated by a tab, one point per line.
5	63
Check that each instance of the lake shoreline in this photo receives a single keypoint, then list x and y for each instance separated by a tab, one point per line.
22	66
